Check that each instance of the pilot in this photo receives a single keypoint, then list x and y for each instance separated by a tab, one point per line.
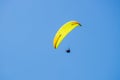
68	50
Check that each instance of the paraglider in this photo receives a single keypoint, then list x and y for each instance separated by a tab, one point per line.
63	32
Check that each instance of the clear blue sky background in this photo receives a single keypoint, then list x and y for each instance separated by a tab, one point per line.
27	29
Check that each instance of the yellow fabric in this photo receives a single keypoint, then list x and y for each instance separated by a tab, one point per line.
64	31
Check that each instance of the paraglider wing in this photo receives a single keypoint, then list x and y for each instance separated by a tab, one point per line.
64	31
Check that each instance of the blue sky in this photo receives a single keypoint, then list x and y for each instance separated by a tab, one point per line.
27	29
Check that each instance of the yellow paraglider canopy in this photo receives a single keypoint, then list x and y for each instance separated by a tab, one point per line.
64	31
